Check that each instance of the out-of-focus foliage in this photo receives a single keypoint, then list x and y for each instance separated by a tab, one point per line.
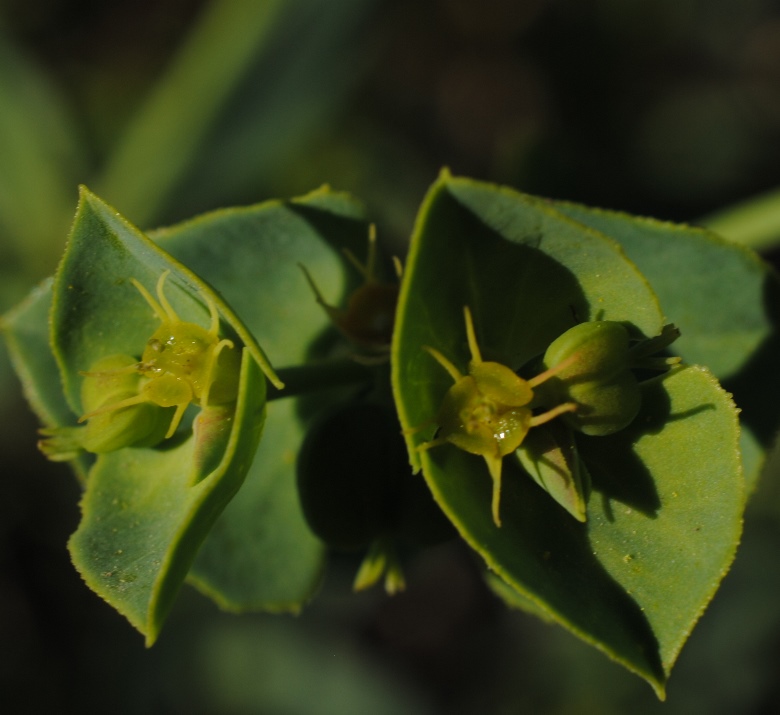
668	108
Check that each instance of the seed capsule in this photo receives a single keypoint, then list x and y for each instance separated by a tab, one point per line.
369	315
598	358
111	379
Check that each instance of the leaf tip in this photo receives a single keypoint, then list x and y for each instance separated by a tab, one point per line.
659	688
150	637
86	195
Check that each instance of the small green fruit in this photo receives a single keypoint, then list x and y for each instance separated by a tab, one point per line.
597	377
111	379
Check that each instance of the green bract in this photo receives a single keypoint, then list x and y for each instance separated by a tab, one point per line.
722	297
528	271
146	512
549	455
152	383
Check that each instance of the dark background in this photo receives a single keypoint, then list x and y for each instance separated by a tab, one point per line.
669	108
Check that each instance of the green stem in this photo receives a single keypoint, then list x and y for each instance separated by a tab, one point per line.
304	379
754	222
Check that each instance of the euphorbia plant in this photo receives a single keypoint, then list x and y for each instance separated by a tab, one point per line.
517	398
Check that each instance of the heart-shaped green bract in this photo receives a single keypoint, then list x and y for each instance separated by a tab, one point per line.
527	273
724	298
664	516
145	511
261	554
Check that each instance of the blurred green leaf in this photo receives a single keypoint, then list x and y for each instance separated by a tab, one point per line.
754	222
667	491
244	91
40	157
286	101
280	666
158	146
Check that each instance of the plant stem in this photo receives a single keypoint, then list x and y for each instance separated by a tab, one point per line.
304	379
754	222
